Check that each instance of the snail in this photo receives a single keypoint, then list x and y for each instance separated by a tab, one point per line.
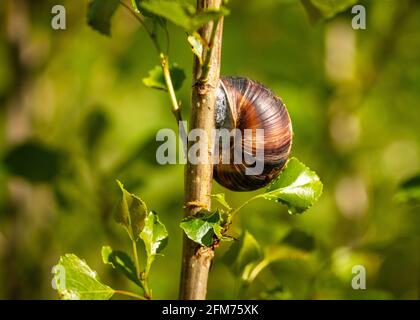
245	104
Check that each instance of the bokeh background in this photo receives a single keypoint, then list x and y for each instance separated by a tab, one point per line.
75	116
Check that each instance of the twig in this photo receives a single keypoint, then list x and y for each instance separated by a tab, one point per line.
164	60
196	259
140	18
206	64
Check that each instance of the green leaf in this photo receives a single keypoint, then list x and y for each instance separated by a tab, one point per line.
75	280
146	13
196	43
220	197
100	13
409	191
243	256
325	9
206	227
154	235
122	262
34	161
173	11
131	213
296	186
181	13
156	80
136	5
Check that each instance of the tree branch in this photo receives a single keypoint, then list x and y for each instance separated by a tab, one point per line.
198	178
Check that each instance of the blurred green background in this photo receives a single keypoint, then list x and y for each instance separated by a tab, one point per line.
75	116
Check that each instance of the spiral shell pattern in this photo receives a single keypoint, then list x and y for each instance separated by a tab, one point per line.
245	104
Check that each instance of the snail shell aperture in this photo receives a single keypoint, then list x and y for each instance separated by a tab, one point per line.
245	104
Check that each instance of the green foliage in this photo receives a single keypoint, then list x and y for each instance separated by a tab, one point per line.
243	256
75	280
136	5
131	213
100	13
148	14
324	9
296	186
181	13
34	161
354	129
196	43
156	79
206	227
122	262
409	191
154	236
246	259
220	197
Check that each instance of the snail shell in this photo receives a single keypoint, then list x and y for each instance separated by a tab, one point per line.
245	104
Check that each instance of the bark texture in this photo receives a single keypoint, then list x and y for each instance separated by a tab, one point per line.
197	260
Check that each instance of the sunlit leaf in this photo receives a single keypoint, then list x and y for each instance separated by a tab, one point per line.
100	13
120	261
243	256
297	187
131	213
146	13
136	5
196	46
220	197
156	80
205	227
154	235
181	13
75	280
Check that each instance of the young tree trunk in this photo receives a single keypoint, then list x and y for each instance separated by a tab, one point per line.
197	260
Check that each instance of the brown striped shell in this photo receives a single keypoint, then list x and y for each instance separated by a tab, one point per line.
245	104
